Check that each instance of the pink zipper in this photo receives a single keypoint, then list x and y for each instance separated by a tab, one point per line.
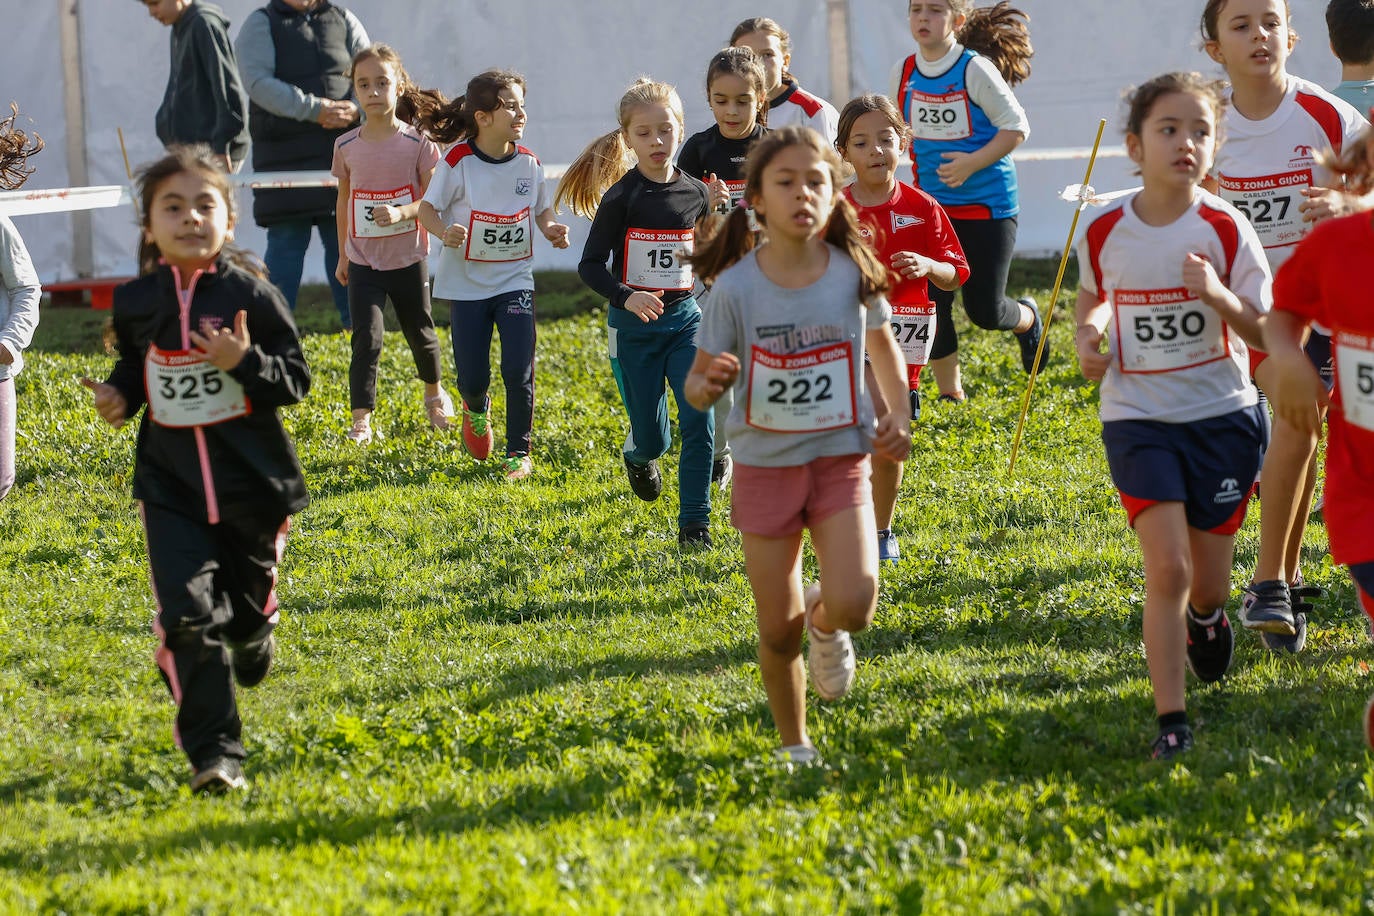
207	479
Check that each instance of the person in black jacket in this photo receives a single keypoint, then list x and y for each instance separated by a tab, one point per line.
204	101
212	351
294	57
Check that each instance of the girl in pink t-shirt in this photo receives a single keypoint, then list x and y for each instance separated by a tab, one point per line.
383	168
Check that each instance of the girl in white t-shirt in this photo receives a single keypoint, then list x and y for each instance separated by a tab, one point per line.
1174	280
788	102
1276	127
487	197
383	169
787	329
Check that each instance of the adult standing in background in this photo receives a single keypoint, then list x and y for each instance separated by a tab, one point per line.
295	57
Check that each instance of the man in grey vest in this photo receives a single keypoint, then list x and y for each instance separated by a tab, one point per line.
295	56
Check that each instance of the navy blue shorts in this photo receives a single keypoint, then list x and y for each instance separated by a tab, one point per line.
1318	350
1208	465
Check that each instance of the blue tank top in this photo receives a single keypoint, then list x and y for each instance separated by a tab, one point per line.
944	119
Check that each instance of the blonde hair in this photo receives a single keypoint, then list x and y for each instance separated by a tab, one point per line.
607	158
735	239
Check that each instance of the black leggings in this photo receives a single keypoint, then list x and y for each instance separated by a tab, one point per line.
368	290
988	245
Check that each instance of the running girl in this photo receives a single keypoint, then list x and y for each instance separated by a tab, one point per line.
1180	419
644	226
20	291
1316	285
212	350
735	91
1276	127
787	329
955	92
914	239
788	102
487	197
384	167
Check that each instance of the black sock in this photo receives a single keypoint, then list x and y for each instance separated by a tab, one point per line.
1172	720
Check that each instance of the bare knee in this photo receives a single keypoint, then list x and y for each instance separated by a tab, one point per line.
780	634
1170	573
849	605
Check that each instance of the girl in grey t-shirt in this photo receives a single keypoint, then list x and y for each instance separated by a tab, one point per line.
787	330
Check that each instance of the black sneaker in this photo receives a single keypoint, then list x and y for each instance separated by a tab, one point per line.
251	661
1172	741
1029	339
644	479
915	397
223	774
696	535
1298	595
1268	607
722	469
952	399
1209	647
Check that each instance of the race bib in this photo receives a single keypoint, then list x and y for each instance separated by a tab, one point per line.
492	237
1270	203
366	202
736	190
940	117
1165	330
801	393
187	390
914	327
654	259
1355	378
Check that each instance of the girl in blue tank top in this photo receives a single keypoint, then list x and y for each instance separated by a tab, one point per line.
955	92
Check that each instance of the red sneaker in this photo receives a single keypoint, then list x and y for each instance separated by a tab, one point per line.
477	435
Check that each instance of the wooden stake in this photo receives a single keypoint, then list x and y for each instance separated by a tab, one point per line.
1054	298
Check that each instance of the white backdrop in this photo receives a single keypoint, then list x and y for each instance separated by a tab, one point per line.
578	56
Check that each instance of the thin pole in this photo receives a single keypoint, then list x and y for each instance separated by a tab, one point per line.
1084	193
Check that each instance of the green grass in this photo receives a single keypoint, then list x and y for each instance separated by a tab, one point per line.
523	698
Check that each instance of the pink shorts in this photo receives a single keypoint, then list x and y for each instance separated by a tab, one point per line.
779	502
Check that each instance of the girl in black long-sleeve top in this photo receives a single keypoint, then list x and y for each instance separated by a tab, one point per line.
645	226
212	351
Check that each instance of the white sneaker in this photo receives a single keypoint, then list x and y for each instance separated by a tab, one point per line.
831	657
799	754
439	410
361	431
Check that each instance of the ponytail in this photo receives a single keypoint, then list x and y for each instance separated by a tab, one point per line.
604	162
999	33
421	108
15	150
843	231
730	239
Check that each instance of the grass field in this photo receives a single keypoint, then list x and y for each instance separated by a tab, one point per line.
497	698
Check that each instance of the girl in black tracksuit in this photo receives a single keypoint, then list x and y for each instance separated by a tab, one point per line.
212	351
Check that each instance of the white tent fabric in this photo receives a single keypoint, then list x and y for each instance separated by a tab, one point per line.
578	57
